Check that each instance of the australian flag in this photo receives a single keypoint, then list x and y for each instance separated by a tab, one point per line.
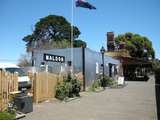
84	4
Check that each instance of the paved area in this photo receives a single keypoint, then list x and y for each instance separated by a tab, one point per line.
136	101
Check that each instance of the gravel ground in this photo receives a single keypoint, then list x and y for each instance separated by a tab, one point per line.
136	101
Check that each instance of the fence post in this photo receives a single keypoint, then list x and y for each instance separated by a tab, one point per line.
35	87
47	84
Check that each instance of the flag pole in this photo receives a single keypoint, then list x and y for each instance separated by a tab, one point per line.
72	23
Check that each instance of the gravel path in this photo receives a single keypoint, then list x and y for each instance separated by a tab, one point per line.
136	101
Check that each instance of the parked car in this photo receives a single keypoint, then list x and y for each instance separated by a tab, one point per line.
23	80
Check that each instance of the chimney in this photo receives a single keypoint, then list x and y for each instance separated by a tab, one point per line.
110	36
110	41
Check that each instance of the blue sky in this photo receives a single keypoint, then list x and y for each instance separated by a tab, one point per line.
18	17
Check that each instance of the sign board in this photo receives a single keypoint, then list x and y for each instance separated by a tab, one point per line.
120	80
53	58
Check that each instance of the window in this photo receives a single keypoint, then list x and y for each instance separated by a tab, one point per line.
16	70
97	68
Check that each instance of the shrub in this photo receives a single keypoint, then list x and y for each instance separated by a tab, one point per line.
76	87
62	90
96	85
108	81
7	116
70	87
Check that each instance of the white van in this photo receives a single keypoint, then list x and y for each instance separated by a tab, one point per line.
23	79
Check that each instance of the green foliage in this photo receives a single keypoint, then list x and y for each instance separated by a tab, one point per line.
96	85
108	81
57	44
62	90
70	87
137	45
156	64
79	43
55	27
6	116
51	32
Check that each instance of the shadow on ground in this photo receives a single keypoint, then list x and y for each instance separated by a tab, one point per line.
157	91
138	79
157	88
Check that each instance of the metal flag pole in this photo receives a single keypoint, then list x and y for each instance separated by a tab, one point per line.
72	27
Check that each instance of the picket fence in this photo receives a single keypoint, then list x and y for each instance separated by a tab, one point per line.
8	84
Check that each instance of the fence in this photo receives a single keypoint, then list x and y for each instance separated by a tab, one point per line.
44	86
8	83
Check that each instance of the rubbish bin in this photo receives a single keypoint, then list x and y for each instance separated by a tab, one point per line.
23	103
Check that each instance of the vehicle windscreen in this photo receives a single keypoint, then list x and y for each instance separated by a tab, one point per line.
16	70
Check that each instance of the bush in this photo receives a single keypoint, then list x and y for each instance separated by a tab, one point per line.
62	90
76	87
96	85
68	88
6	116
107	81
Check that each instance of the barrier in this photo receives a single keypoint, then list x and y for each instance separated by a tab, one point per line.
8	83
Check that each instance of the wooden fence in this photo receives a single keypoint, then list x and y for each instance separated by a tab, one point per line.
8	83
44	86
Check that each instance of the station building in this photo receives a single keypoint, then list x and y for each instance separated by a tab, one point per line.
81	61
132	68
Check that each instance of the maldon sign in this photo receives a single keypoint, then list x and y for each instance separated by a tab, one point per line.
53	58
